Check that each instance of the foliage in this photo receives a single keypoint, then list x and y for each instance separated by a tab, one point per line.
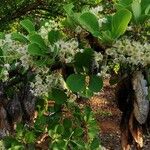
64	61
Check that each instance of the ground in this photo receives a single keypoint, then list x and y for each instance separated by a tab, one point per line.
108	117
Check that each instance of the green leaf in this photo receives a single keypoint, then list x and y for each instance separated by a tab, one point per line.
136	9
143	18
19	37
53	36
88	114
68	8
28	25
120	22
62	144
67	123
107	37
36	38
125	2
10	142
30	137
92	132
78	132
40	123
59	145
17	147
69	23
35	50
145	4
60	129
89	22
84	59
96	83
80	144
95	143
147	10
2	35
59	96
86	93
76	82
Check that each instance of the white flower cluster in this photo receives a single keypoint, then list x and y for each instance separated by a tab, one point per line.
104	71
96	11
5	72
38	87
50	25
25	58
130	52
98	57
67	50
43	84
13	50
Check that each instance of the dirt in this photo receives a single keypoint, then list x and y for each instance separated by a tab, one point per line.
108	117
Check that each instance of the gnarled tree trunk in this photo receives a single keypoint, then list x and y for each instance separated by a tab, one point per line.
131	96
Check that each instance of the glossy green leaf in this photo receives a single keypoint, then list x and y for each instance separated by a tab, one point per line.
59	96
76	82
35	50
53	36
120	22
107	37
125	2
96	83
136	9
89	22
28	25
84	59
19	37
145	4
68	8
36	38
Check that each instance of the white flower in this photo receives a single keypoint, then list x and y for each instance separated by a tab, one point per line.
7	66
67	49
8	38
130	52
78	30
96	10
101	21
5	74
46	24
